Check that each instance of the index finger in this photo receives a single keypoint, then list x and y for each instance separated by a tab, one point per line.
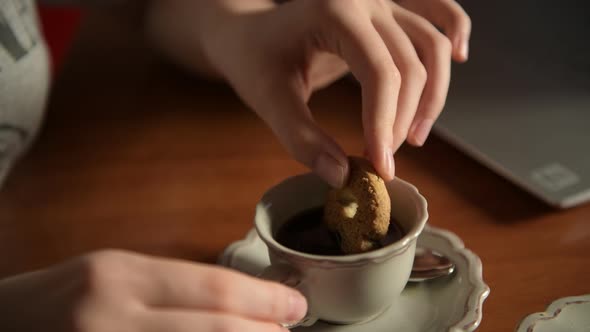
363	49
178	284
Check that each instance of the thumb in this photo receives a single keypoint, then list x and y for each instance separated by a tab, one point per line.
287	114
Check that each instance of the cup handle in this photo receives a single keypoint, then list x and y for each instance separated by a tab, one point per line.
288	276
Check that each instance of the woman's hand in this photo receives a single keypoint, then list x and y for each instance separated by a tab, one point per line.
275	56
121	291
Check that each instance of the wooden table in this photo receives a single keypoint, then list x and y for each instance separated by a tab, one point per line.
137	155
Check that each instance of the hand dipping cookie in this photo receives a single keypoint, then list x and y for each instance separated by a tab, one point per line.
360	211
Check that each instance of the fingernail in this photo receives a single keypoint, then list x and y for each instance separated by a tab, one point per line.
297	307
330	170
422	131
463	49
389	164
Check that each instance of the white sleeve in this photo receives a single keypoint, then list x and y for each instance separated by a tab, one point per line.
24	79
11	141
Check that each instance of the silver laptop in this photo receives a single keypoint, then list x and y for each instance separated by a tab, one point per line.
521	105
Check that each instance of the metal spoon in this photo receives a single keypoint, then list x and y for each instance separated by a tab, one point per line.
430	264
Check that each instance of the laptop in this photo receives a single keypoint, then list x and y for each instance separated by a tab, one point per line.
521	104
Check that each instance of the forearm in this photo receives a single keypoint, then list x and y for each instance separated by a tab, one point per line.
181	29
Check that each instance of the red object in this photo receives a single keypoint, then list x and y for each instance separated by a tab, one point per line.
59	27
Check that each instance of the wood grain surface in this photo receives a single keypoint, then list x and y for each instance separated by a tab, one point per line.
136	154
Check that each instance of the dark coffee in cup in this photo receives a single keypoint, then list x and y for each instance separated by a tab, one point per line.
306	232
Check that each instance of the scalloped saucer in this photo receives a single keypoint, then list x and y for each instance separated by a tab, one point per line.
568	314
452	303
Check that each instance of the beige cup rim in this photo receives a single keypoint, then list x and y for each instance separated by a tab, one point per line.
391	250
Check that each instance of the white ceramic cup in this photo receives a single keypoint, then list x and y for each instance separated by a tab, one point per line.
340	289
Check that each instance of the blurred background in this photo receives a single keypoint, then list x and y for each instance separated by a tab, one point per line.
59	26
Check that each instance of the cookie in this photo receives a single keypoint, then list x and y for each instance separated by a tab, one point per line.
360	211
